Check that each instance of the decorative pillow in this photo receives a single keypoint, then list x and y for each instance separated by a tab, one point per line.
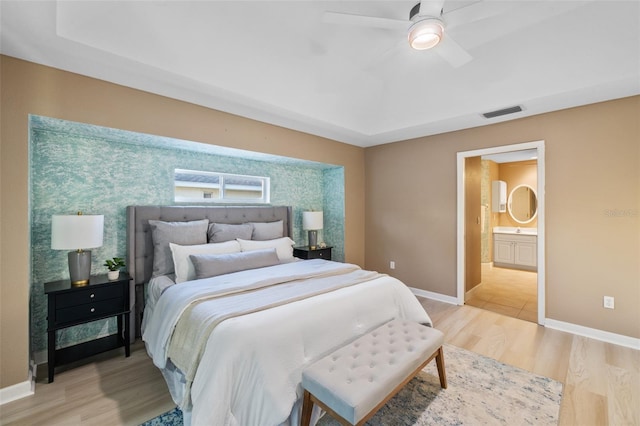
263	231
163	233
221	232
182	263
283	246
208	265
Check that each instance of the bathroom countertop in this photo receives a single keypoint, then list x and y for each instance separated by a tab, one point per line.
515	230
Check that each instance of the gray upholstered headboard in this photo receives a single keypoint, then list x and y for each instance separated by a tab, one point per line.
140	243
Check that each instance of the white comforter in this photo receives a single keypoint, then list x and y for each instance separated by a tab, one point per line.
251	365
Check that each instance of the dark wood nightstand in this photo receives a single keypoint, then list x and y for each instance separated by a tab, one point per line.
318	253
70	305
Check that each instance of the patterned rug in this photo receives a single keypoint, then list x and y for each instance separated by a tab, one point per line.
480	391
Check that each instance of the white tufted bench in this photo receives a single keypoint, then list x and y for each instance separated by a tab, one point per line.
356	380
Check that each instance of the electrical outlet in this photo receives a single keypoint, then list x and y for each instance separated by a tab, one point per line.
609	302
392	265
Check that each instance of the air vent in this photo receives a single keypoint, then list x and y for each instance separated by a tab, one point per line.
504	111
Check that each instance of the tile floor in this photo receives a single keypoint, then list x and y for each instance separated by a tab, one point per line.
510	292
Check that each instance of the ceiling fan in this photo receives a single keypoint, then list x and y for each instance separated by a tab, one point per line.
426	25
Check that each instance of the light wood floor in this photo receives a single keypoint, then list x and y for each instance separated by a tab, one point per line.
107	389
601	381
509	292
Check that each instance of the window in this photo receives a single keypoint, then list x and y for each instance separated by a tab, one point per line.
214	187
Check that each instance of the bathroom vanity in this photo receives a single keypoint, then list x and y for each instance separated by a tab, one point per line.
515	247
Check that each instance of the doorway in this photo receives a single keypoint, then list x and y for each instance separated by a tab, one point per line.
471	218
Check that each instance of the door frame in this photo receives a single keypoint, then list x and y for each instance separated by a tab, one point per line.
539	147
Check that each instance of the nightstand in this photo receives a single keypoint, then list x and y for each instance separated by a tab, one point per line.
318	253
70	305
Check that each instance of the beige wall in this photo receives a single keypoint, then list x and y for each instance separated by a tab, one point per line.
592	209
27	88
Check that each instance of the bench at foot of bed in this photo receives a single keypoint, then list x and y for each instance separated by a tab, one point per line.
355	381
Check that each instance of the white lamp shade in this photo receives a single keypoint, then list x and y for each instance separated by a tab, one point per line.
312	220
73	232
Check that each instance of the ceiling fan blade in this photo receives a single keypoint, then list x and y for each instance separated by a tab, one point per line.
476	11
452	52
365	21
525	15
431	8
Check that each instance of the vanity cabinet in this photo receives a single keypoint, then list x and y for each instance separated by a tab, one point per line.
515	251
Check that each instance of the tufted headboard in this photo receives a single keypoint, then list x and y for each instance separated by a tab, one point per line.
140	243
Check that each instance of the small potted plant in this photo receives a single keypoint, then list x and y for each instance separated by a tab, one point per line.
114	266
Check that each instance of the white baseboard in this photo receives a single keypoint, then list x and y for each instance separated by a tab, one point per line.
17	391
594	333
20	390
435	296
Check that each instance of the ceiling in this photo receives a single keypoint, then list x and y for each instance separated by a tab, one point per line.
281	62
513	156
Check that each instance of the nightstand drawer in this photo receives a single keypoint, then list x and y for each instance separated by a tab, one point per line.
89	310
90	295
320	254
307	253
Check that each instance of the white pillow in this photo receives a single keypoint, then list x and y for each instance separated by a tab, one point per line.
185	270
283	246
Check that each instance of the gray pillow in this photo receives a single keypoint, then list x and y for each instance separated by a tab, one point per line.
212	265
221	232
183	233
263	231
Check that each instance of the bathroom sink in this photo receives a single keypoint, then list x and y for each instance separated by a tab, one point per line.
514	230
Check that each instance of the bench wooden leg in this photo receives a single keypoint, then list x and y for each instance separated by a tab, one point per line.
307	408
441	372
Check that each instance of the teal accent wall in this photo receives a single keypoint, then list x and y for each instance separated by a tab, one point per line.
333	202
81	167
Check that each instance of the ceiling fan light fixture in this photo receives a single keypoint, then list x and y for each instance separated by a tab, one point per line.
425	34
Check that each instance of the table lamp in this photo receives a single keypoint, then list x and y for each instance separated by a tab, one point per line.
77	233
312	221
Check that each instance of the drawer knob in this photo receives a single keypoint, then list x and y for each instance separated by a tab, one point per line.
92	295
93	309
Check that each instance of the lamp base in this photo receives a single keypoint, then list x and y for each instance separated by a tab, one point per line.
313	239
79	267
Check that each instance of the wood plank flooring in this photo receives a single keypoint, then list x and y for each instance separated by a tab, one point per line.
107	389
602	381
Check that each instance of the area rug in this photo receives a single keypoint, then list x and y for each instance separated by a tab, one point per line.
481	391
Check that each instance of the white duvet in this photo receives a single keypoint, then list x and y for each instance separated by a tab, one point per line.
251	365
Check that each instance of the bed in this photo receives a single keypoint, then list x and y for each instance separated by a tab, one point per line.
232	334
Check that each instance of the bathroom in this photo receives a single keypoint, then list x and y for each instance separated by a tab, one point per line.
508	235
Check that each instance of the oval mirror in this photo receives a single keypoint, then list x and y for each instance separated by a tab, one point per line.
523	204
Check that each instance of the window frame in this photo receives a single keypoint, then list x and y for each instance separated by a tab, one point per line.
221	188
